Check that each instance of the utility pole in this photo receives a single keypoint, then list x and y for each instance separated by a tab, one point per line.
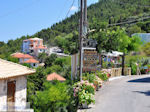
82	31
85	25
81	38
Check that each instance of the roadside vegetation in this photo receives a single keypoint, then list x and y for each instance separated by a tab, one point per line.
68	96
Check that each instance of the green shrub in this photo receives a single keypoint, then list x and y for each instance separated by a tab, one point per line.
133	69
56	98
89	89
102	76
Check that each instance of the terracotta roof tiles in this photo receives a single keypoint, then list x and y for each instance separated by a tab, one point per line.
31	61
21	55
55	76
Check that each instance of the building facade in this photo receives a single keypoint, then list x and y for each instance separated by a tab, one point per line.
26	58
13	89
33	46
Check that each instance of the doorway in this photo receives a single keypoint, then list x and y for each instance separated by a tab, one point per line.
11	88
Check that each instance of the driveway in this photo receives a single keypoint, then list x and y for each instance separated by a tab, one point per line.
128	94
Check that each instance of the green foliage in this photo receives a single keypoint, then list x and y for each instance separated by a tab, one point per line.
146	49
133	69
102	76
54	68
49	60
27	65
42	57
64	33
90	77
15	60
69	42
54	99
85	97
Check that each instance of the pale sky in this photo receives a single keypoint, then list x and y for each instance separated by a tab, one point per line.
22	17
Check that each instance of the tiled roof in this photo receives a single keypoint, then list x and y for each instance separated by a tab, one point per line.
31	61
55	76
9	69
21	55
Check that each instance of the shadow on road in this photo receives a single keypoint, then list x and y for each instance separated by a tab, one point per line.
141	80
147	93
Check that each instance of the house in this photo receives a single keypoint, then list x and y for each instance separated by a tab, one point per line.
55	76
22	57
13	86
57	51
26	58
32	62
33	46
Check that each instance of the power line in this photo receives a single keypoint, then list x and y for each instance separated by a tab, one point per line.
62	10
70	8
19	9
132	21
124	3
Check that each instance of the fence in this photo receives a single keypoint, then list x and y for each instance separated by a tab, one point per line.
118	72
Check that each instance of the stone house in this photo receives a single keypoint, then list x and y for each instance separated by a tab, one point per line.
13	86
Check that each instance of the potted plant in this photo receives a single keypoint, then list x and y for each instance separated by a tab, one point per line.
86	98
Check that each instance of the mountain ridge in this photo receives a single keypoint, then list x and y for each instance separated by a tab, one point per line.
100	14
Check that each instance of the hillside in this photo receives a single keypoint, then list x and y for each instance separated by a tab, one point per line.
132	14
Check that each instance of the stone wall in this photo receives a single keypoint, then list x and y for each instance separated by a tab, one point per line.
20	92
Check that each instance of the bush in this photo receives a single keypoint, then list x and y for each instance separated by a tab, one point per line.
85	97
84	85
102	76
133	69
56	98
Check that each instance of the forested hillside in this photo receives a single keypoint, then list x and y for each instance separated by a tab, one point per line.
134	15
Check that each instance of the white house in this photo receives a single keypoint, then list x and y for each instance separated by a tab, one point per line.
13	86
26	58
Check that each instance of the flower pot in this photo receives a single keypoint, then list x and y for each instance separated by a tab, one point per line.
97	88
84	105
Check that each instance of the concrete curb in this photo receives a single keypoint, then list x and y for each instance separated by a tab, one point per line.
114	78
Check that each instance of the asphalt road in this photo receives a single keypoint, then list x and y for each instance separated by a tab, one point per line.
128	94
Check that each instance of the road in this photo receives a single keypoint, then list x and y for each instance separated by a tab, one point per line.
128	94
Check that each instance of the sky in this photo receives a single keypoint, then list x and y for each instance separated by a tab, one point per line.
26	17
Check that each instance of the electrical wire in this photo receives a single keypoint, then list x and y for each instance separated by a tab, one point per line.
62	10
124	3
19	9
127	22
70	8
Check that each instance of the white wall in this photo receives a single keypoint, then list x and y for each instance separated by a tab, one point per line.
20	94
3	93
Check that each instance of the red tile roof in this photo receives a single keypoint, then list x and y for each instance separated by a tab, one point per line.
55	76
21	55
31	61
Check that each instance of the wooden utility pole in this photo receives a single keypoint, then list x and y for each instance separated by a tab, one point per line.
83	31
81	38
85	19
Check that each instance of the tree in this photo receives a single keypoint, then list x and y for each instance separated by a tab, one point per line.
134	29
54	99
118	40
42	57
146	49
49	60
